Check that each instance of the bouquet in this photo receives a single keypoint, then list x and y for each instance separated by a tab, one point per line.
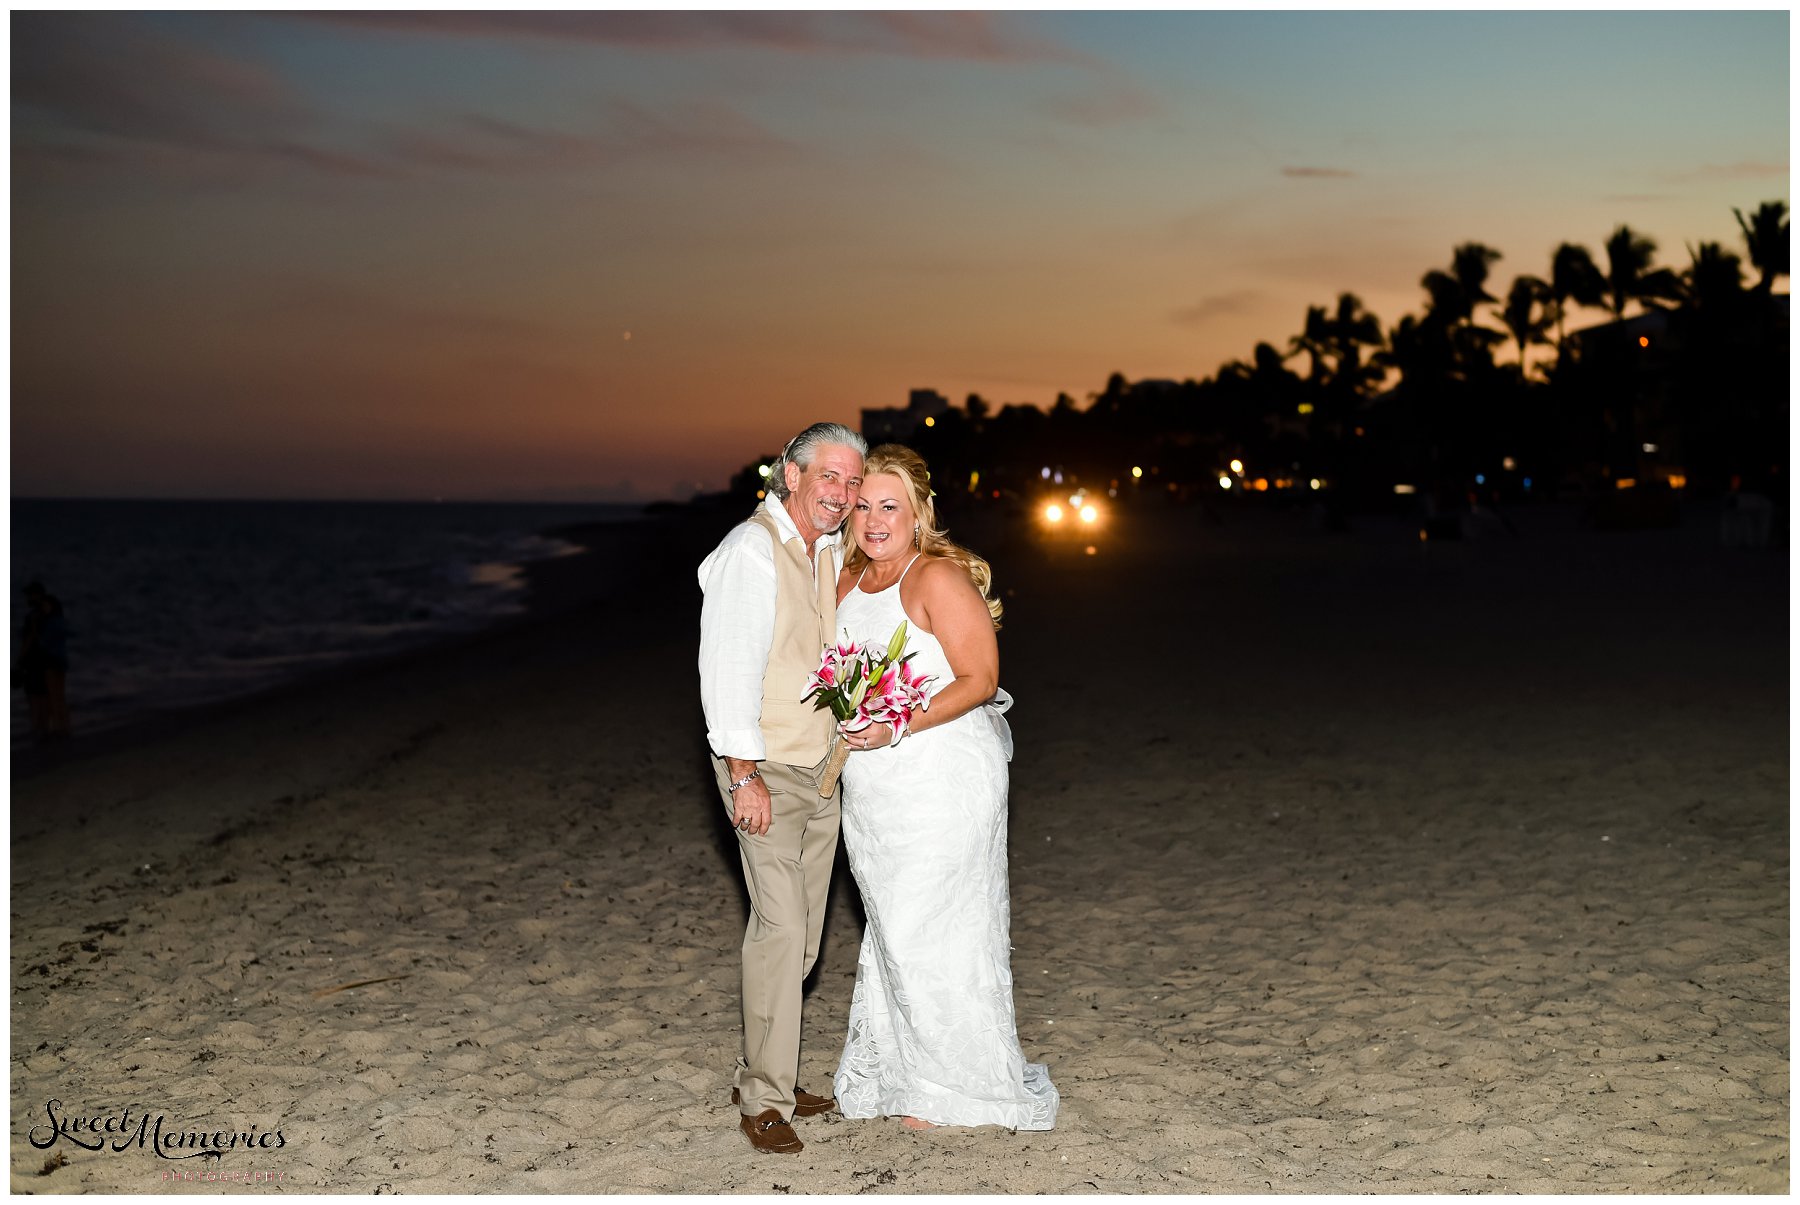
864	686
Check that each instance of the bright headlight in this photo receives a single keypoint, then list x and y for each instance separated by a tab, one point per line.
1089	514
1053	513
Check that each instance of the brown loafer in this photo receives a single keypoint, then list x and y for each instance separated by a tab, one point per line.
805	1103
768	1132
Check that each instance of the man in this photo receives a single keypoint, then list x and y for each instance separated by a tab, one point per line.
770	606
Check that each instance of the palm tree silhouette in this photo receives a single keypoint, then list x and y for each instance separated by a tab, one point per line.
1630	276
1469	264
1334	341
1315	340
1526	314
1573	277
1714	282
1456	293
1351	329
1766	239
1411	352
1454	296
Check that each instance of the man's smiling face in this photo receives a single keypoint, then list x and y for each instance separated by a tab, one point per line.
821	494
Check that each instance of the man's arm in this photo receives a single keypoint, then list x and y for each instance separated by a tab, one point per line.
737	628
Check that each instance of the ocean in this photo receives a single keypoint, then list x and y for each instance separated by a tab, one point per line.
170	604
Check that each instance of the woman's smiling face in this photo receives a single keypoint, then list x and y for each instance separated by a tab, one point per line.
882	520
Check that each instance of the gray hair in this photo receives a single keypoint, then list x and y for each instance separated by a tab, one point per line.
801	449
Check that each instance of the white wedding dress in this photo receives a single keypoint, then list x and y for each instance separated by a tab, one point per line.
931	1019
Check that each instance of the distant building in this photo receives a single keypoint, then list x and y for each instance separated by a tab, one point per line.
1640	408
1647	330
897	424
1650	327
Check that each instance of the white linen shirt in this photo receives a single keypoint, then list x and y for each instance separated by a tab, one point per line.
737	626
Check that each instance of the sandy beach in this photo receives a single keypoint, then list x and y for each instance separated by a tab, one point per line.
1340	863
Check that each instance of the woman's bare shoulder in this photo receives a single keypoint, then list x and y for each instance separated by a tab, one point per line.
933	572
941	577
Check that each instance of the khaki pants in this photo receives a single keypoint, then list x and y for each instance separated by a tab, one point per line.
788	873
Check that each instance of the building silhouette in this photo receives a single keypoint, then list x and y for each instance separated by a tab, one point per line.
899	424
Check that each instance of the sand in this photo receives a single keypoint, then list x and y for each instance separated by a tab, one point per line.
1340	863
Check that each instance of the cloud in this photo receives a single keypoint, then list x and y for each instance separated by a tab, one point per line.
92	92
96	96
943	35
475	142
1317	173
108	77
1221	305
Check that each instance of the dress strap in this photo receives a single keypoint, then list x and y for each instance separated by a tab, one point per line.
908	568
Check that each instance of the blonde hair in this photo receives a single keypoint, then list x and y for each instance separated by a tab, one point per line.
900	461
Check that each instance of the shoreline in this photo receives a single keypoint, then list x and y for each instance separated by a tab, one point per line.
549	585
553	585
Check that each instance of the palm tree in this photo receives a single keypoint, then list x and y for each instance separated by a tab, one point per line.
1766	239
1573	277
1351	329
1334	340
1315	340
1715	279
1419	350
1261	392
1455	294
1629	275
1469	264
1525	314
1267	372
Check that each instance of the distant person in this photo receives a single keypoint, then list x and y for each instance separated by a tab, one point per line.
44	664
1485	516
932	1037
769	609
1745	517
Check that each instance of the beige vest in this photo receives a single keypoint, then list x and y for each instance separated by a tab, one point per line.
794	731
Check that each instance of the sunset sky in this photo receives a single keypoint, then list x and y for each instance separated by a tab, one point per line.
616	255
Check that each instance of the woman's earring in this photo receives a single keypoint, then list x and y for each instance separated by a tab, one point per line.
915	535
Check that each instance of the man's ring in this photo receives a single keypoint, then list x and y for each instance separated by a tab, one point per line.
744	825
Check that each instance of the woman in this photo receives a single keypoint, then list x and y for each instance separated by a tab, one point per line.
932	1038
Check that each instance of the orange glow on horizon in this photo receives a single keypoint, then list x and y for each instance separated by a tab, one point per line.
713	197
